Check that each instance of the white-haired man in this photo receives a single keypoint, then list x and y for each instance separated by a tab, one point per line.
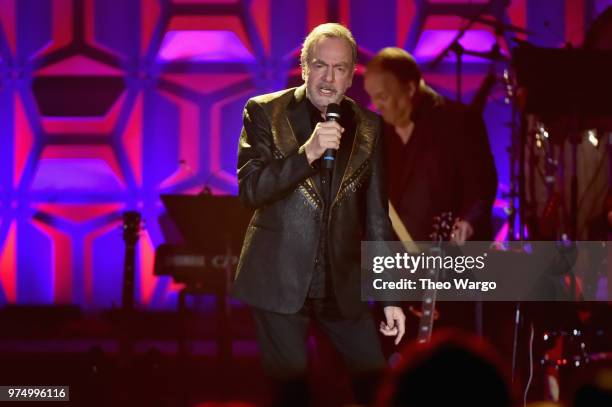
300	260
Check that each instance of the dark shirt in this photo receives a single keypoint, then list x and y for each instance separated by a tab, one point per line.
320	285
396	153
446	166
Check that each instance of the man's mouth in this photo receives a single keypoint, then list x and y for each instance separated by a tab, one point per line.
327	91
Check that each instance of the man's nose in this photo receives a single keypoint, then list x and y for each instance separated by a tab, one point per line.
329	74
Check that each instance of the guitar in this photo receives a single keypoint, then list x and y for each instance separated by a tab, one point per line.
442	228
131	229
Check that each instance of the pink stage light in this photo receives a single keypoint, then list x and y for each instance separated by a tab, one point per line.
466	2
72	174
222	46
433	42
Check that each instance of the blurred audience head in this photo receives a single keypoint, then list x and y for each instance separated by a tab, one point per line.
454	369
597	391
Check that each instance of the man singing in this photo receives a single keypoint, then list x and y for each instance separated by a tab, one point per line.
300	261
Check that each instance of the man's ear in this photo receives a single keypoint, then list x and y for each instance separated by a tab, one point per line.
303	72
411	88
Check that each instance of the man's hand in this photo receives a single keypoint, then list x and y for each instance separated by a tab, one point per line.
396	323
462	231
325	135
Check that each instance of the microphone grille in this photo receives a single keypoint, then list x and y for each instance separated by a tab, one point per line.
332	111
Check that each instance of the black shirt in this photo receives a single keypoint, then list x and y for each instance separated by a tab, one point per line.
320	285
396	152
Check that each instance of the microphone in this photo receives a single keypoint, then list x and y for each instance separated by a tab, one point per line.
332	114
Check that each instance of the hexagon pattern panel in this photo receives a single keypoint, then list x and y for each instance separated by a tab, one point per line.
106	104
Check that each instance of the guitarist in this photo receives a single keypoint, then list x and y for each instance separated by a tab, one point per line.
438	160
437	151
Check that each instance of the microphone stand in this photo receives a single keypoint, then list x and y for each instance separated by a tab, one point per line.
457	48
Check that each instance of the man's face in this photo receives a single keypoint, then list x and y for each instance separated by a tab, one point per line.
392	100
329	72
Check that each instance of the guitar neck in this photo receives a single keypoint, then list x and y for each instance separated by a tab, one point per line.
428	309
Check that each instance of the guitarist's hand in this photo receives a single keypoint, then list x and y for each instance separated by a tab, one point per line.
396	323
462	231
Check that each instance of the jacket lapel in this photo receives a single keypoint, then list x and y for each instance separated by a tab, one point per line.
359	151
298	119
343	155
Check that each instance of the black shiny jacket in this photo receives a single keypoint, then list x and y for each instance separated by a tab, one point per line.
280	247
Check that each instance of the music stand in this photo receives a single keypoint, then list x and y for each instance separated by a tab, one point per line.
209	223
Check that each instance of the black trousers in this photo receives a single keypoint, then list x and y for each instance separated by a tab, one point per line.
282	342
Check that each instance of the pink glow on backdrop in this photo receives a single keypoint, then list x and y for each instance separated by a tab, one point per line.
205	83
316	13
260	9
470	82
148	280
502	235
90	27
203	46
85	174
8	23
23	141
517	11
132	140
61	22
150	15
406	12
78	213
467	2
216	138
432	42
79	65
189	141
89	168
8	265
205	1
88	257
86	125
345	12
574	22
231	23
61	263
